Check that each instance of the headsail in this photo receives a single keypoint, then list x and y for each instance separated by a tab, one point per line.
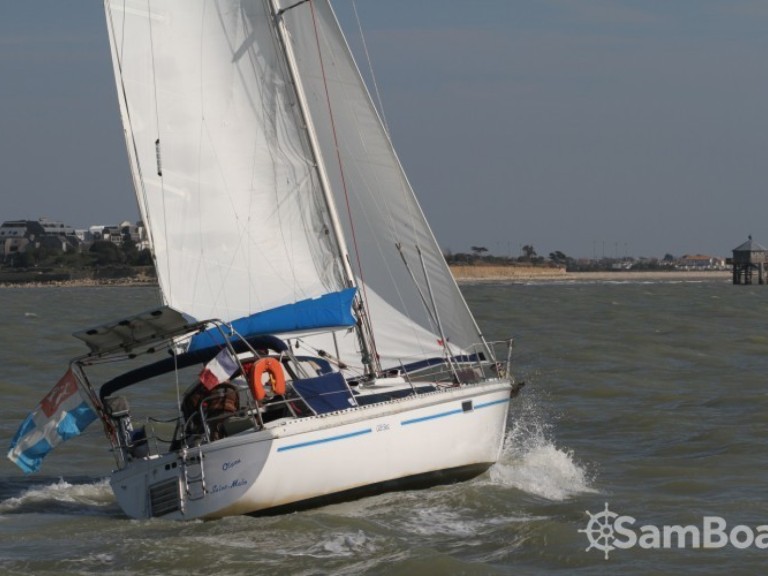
384	217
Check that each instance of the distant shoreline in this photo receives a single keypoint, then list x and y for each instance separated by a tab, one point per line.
463	274
644	276
541	274
84	283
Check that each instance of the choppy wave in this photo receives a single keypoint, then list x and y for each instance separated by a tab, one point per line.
63	497
341	544
649	397
532	462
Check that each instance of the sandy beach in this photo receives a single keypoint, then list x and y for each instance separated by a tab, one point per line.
464	274
542	274
671	276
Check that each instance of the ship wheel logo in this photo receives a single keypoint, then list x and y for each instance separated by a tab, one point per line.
599	530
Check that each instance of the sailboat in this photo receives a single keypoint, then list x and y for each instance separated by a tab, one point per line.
312	341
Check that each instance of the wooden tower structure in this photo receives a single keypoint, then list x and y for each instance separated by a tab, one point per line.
748	258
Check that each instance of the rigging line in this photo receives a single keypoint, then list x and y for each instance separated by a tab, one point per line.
430	313
178	387
343	179
291	7
370	68
332	359
122	37
446	347
405	187
157	144
300	181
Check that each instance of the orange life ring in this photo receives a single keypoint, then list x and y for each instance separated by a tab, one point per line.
272	367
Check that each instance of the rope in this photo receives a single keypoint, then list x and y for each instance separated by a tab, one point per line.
341	170
370	68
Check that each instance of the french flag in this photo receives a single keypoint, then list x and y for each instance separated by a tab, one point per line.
61	415
218	370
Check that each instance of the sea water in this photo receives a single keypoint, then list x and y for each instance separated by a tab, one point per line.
644	407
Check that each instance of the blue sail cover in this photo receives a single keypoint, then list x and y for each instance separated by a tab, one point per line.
332	310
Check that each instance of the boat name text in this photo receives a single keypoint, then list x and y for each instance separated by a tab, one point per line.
234	484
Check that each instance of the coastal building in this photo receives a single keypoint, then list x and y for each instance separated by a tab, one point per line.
13	237
55	228
17	235
136	232
700	262
118	233
748	258
15	229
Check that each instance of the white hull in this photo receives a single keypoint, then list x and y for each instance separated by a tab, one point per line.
430	438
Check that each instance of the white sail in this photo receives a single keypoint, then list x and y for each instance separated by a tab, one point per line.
224	175
383	212
228	182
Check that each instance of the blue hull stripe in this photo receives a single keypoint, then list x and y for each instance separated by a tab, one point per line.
324	440
486	404
452	412
431	417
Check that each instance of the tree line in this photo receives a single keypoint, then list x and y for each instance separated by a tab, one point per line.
100	253
529	256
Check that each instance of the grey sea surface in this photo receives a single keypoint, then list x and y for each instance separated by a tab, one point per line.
644	408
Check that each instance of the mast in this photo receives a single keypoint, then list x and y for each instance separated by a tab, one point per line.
364	332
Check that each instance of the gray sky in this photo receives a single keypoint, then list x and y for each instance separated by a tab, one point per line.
616	127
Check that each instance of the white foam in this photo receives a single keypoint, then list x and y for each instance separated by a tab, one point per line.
97	494
343	544
544	471
533	463
451	520
442	520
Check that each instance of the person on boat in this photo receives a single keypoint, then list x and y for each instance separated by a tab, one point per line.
215	406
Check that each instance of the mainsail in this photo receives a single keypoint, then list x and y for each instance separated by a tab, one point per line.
228	182
224	176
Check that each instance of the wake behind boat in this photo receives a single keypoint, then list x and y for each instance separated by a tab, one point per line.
313	341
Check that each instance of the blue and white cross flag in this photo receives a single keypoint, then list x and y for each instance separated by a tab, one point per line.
61	415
